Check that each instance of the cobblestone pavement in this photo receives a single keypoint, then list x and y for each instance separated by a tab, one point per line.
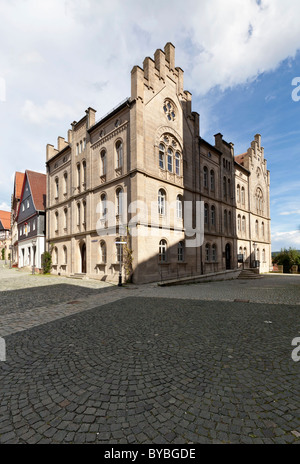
92	363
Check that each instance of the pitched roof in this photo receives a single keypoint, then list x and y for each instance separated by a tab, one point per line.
5	219
19	179
240	158
37	183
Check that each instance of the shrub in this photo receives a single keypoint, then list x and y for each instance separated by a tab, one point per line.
46	262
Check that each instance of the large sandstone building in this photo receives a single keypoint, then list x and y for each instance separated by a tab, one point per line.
129	177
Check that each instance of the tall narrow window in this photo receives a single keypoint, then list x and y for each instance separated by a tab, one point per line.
263	256
179	207
229	221
214	253
239	223
263	229
243	224
207	252
119	151
229	188
65	183
213	215
119	251
84	173
78	214
161	156
212	180
78	175
65	255
161	202
205	177
56	222
206	214
238	194
84	212
103	163
243	196
225	219
119	202
103	206
103	252
56	187
224	186
65	219
180	252
256	228
162	253
177	163
170	160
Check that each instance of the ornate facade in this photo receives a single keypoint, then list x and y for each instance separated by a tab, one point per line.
130	176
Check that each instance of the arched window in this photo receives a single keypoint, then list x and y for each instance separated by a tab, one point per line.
206	209
103	206
263	229
177	164
170	160
225	219
245	253
239	223
65	255
55	256
224	186
161	156
259	200
180	252
179	207
161	202
65	183
80	145
56	187
84	212
229	221
102	252
214	253
78	175
78	214
65	219
212	180
229	188
213	215
119	250
56	222
238	194
119	152
162	251
243	224
242	195
84	173
264	255
207	252
119	202
256	228
103	163
205	177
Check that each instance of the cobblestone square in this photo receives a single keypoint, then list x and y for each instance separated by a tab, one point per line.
94	363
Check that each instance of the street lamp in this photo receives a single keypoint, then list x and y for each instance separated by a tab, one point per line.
33	258
120	259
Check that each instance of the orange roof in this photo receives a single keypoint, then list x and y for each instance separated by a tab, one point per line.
5	219
19	179
37	182
240	158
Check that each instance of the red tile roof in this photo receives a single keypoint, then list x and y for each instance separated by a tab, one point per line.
37	183
5	219
240	158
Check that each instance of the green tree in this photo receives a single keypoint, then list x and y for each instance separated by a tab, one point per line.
287	258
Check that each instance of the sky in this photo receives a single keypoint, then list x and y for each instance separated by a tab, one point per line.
241	62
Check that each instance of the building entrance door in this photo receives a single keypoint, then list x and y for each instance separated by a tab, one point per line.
227	256
83	259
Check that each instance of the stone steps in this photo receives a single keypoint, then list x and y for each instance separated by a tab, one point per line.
248	274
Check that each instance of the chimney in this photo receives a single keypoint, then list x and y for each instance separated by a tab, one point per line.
91	117
148	66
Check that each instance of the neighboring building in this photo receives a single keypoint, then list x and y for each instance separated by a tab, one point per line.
252	181
31	220
5	235
15	200
147	150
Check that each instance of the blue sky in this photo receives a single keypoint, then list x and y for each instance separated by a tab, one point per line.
58	57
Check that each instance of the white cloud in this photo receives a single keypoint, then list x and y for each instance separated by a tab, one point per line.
43	114
285	239
289	213
4	206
